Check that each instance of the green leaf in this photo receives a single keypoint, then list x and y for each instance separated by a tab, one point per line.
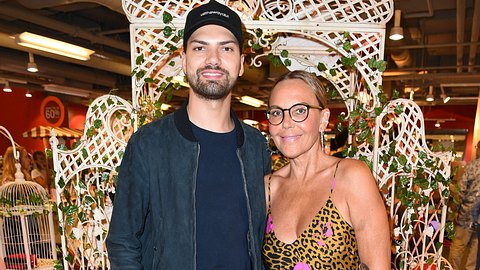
398	109
347	46
382	97
172	48
363	135
140	74
88	200
167	18
97	123
393	167
82	216
153	49
287	62
82	185
167	31
378	110
402	159
84	153
256	47
150	80
61	183
333	72
70	221
139	60
349	62
351	130
284	53
69	210
180	33
321	66
395	94
339	126
362	124
276	61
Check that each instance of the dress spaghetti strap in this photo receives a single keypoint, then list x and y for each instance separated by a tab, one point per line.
333	180
268	198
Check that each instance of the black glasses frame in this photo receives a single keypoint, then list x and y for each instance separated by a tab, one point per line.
308	106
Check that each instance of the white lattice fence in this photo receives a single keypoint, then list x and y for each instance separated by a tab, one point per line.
413	184
84	181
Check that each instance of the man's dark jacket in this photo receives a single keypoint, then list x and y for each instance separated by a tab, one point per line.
153	220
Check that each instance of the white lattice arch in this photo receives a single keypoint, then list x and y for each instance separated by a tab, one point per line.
84	182
312	28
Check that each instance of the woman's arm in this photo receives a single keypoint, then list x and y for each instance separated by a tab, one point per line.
368	216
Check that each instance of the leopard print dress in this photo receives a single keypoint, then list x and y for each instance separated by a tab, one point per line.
328	243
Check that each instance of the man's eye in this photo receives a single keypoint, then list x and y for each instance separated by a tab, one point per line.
198	48
228	49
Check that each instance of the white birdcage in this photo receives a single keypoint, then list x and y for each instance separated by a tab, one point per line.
26	224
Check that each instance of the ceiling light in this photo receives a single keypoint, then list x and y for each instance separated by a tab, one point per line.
396	33
430	96
7	88
437	124
28	94
32	66
251	101
55	88
53	46
444	96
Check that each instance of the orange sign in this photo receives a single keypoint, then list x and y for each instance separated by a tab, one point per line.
52	111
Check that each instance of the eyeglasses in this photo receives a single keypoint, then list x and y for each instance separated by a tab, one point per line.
298	113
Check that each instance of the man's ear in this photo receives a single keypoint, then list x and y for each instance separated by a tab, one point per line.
182	56
242	68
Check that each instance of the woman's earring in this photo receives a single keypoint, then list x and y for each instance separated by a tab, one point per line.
322	140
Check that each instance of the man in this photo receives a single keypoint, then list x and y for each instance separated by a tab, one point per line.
465	236
190	190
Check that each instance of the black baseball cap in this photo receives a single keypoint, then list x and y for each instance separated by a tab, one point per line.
213	13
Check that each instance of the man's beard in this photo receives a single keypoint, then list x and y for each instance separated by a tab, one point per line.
211	89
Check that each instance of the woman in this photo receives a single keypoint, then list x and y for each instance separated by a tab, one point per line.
323	212
39	172
9	168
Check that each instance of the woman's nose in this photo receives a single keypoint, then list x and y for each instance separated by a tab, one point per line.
287	120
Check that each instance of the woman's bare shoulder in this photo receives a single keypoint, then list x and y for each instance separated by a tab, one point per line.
355	174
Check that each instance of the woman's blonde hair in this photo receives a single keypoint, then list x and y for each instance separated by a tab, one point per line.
9	168
311	80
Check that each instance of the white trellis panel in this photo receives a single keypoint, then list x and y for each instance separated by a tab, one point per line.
324	22
84	182
418	233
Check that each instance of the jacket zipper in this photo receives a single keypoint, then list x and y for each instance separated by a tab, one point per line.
194	225
250	240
